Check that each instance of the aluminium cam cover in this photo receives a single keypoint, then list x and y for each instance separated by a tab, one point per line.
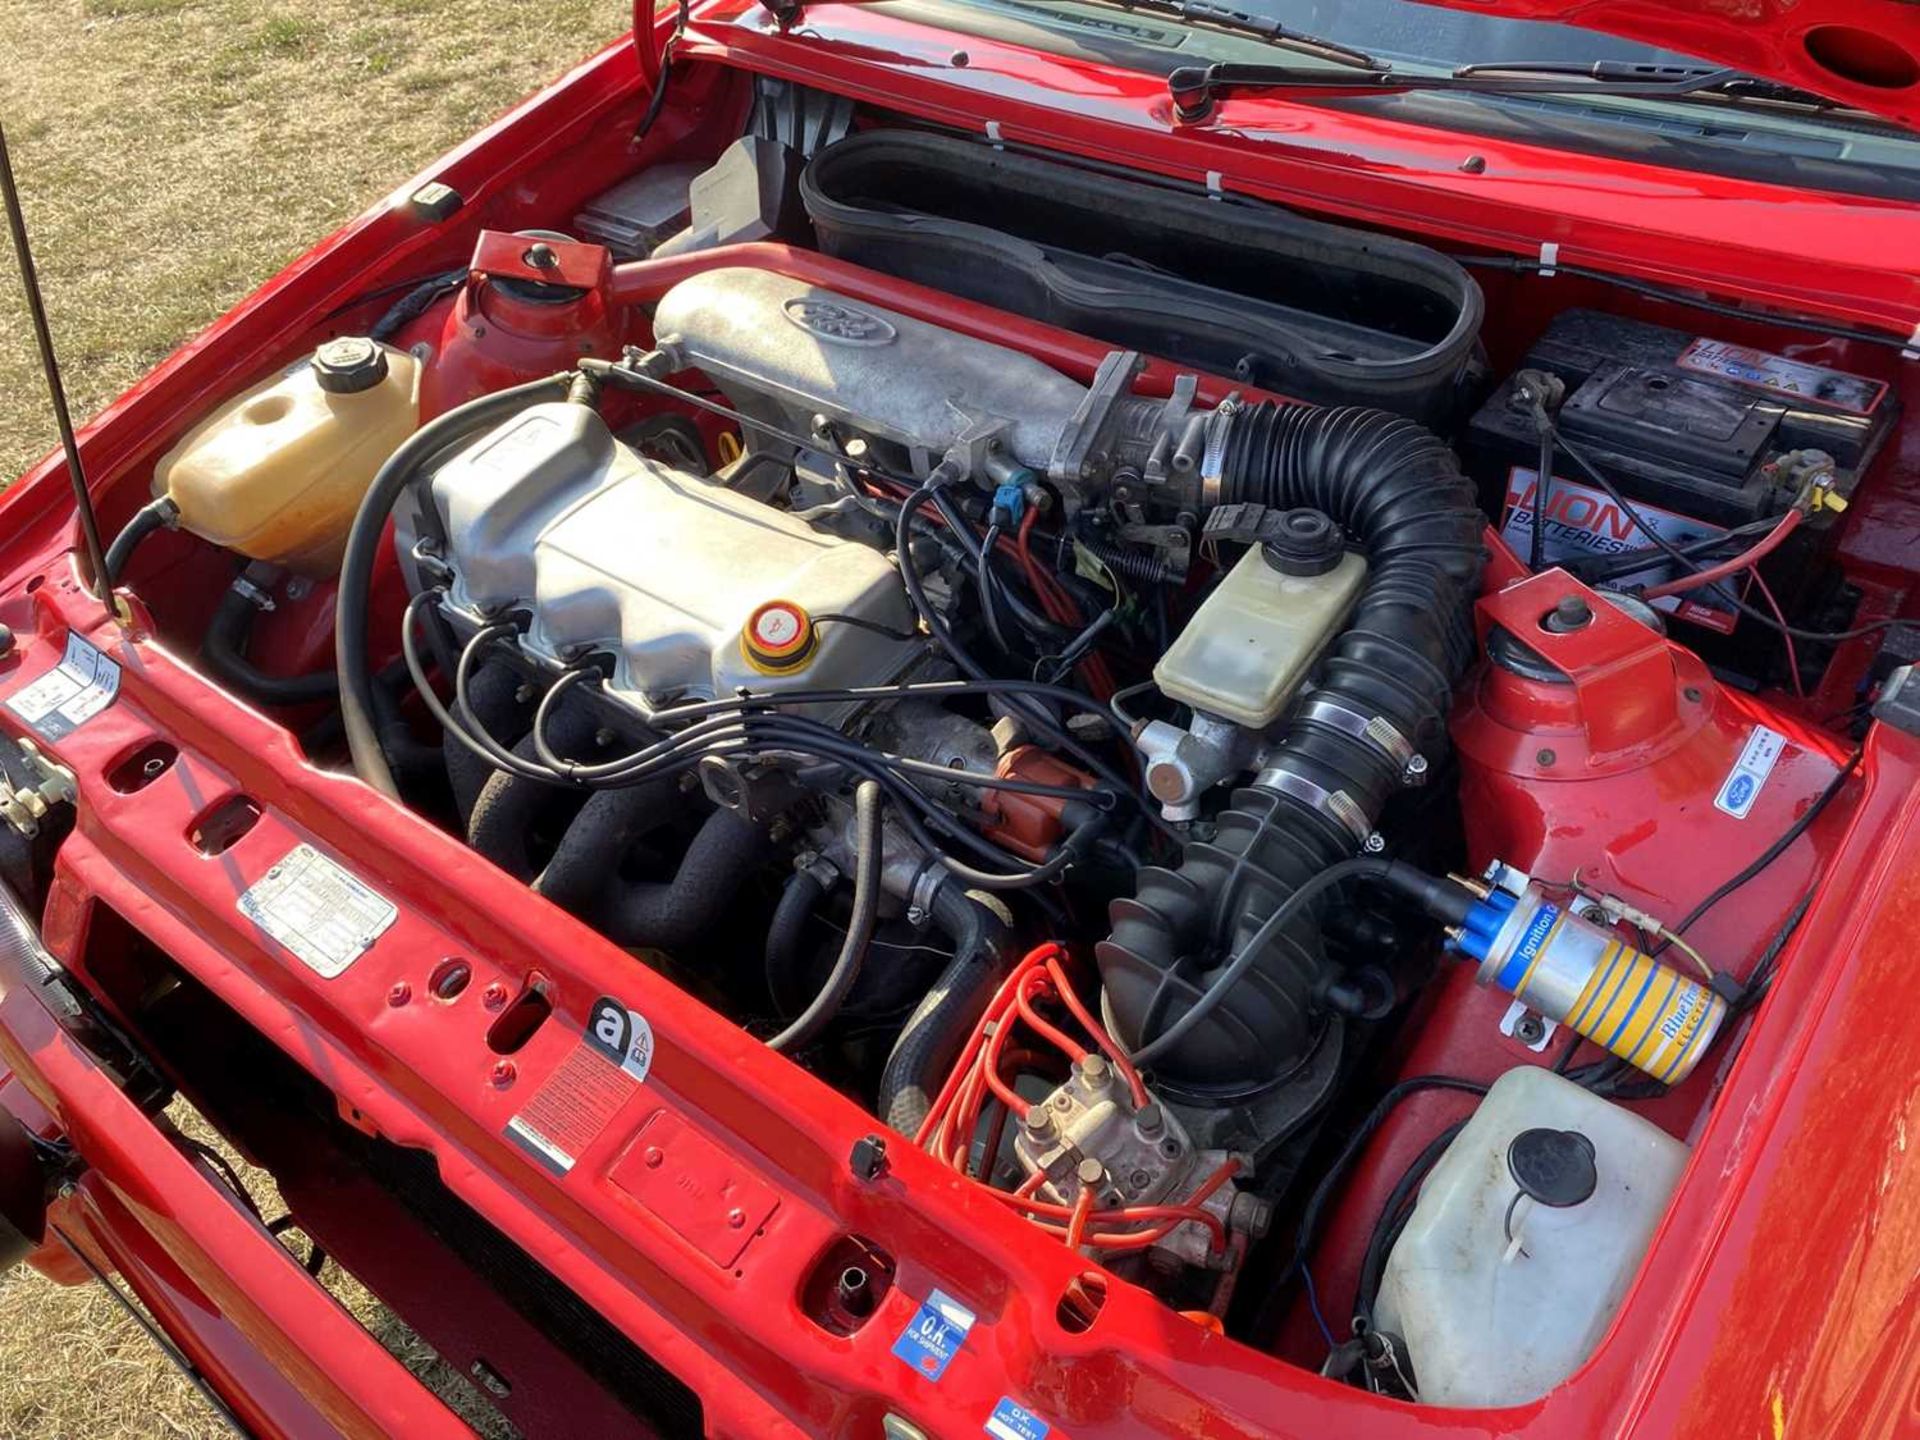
613	552
889	375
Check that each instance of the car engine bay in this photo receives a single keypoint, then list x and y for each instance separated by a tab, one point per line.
1215	725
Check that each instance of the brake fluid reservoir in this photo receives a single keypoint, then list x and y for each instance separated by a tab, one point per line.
1253	639
1524	1240
277	473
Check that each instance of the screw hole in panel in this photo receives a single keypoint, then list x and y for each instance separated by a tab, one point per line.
222	825
449	978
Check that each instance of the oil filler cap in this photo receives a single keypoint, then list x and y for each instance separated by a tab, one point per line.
778	637
1553	1167
349	365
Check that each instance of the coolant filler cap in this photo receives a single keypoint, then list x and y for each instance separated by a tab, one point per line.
778	637
348	365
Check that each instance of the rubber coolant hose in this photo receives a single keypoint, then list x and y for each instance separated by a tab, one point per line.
161	514
224	646
357	717
800	897
1380	698
867	855
930	1041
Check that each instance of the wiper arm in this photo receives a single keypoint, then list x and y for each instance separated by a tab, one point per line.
1262	27
1196	89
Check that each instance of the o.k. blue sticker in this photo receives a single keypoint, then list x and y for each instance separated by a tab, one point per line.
1011	1421
934	1335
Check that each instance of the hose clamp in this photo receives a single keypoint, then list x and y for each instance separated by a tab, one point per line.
1374	730
1213	455
1336	805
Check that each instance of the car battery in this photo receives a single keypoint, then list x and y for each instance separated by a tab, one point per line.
1702	437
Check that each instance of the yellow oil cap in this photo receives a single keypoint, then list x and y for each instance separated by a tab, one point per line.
778	638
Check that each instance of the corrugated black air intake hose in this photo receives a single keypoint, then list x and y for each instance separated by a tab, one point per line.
1380	697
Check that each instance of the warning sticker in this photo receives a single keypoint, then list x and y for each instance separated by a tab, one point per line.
317	909
72	693
622	1035
1757	759
1582	523
1011	1421
934	1335
572	1106
1776	374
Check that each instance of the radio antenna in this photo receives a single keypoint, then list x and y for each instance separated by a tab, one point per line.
50	367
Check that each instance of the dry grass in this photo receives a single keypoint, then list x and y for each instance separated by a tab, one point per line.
173	154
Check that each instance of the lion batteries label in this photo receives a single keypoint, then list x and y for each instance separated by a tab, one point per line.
580	1098
1581	522
1777	375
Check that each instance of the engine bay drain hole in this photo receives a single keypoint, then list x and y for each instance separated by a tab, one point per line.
222	825
1081	1302
527	1012
140	768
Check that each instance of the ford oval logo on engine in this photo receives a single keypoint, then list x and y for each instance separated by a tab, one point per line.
840	323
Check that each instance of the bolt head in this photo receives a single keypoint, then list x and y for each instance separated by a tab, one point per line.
494	996
1148	1119
653	1157
1094	1070
400	994
1038	1119
736	1217
504	1074
869	1158
1090	1171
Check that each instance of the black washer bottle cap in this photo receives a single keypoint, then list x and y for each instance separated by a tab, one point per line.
1301	542
1553	1167
349	365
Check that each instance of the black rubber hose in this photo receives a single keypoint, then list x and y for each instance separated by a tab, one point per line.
26	964
799	898
674	914
224	648
1381	693
606	826
930	1041
867	855
353	659
161	514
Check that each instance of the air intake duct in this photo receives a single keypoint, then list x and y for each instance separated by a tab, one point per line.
1376	712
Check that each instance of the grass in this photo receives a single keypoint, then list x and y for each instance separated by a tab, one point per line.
172	155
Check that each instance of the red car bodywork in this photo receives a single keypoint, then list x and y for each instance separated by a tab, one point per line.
1780	1296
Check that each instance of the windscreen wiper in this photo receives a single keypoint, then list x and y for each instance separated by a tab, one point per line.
1261	27
1196	89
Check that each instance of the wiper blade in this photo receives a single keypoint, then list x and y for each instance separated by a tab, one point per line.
1674	81
1261	27
1196	89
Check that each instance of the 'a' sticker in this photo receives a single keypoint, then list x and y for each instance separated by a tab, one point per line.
934	1335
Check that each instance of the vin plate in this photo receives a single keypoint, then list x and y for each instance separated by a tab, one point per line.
318	910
